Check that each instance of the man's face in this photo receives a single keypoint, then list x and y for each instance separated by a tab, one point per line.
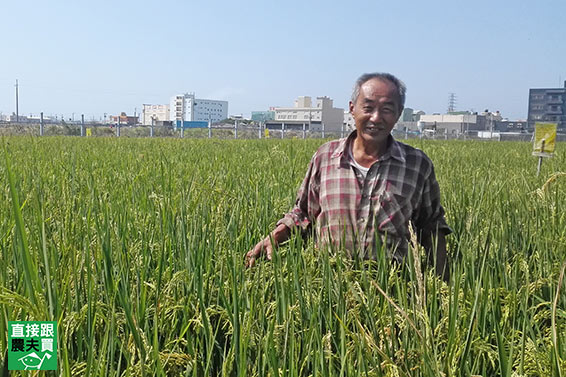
376	110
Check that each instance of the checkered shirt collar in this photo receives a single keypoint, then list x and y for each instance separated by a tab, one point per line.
393	151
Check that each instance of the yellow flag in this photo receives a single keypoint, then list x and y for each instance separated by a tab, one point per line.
266	133
545	139
89	132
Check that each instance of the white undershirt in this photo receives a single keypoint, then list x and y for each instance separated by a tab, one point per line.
353	161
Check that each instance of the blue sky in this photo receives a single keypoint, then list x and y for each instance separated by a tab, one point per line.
112	56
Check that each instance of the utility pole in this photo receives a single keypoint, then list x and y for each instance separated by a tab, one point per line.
17	109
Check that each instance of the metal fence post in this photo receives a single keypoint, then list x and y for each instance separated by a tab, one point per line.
82	124
152	125
322	130
235	128
41	124
282	130
209	128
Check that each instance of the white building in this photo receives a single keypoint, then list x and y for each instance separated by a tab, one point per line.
454	124
349	123
304	112
188	108
159	112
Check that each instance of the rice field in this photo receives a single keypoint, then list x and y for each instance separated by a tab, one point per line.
135	247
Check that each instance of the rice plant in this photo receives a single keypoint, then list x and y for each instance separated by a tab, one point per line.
135	247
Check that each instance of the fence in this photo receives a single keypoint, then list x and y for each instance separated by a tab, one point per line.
225	131
222	131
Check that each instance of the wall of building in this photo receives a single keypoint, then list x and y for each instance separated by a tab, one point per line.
213	110
262	116
547	105
454	124
188	108
160	112
349	123
323	112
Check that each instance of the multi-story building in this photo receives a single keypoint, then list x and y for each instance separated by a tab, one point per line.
349	123
159	113
313	117
185	107
547	105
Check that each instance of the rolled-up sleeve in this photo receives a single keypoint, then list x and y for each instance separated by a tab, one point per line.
307	205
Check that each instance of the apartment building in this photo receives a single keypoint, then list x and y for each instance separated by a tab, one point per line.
547	105
313	116
185	107
159	113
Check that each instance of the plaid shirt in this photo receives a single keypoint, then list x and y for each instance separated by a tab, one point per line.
360	213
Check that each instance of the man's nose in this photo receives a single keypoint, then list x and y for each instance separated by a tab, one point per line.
375	116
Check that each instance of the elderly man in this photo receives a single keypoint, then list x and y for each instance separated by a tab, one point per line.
362	192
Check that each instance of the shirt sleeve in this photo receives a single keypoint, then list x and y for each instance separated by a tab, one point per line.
429	218
307	205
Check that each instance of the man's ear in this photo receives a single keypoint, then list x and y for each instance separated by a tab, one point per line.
351	108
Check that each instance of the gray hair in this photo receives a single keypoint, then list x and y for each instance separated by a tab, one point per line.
401	88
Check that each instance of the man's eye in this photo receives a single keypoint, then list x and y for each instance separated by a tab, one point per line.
366	108
387	111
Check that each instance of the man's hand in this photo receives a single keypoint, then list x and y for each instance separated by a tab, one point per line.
266	246
436	254
262	247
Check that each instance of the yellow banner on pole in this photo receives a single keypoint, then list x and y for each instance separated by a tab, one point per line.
89	131
545	139
266	133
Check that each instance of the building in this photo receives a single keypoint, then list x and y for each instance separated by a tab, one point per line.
313	117
159	113
349	123
506	125
547	105
452	124
406	115
185	107
263	116
124	120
